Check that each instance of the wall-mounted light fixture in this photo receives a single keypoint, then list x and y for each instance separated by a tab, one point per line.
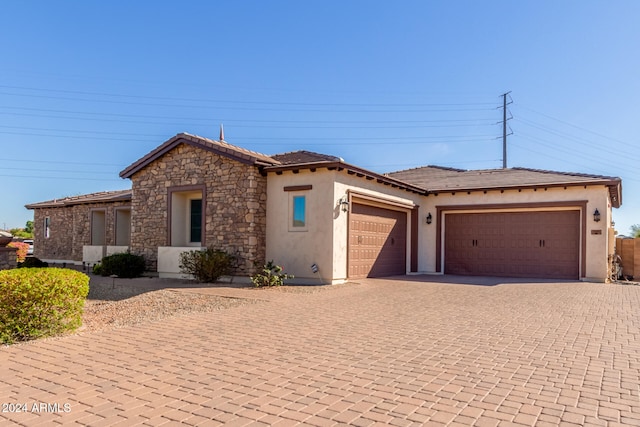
429	218
596	216
344	204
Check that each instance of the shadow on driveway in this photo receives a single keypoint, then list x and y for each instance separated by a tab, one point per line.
471	280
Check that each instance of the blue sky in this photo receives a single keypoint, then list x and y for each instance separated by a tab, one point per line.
87	88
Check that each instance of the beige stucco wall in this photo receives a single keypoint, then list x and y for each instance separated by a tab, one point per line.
296	251
325	241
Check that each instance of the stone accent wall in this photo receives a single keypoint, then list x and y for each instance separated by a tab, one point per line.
70	230
235	203
8	258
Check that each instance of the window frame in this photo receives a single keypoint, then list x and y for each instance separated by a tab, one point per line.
291	217
191	224
179	234
47	227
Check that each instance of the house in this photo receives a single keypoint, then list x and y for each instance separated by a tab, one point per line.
305	209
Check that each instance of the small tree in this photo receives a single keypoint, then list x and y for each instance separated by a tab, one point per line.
635	230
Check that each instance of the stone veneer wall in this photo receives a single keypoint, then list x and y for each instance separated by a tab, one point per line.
8	258
235	216
70	229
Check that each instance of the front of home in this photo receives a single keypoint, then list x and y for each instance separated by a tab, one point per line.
327	221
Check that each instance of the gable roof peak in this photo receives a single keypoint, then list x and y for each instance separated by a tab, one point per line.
222	148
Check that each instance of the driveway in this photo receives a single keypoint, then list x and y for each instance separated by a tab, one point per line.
402	351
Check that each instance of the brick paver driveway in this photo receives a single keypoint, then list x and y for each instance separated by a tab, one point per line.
393	352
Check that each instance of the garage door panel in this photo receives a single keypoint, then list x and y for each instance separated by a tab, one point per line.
377	241
517	244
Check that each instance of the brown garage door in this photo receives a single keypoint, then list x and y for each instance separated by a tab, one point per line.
377	242
513	244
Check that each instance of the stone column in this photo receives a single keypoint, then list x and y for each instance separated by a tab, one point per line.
8	258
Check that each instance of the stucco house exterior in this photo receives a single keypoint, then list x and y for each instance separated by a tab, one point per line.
328	221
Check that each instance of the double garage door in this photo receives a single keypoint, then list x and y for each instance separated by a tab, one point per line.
377	242
513	244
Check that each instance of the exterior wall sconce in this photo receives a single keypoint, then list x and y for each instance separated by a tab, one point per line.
429	218
596	216
344	204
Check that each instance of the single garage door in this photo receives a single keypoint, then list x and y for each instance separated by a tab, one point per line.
513	244
377	242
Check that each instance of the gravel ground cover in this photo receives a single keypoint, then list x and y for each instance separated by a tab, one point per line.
109	306
112	305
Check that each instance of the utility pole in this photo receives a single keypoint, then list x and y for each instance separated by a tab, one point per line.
504	128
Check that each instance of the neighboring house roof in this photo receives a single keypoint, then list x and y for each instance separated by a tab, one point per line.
303	156
103	196
437	179
218	147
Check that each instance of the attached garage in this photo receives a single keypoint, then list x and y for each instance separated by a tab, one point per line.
377	241
535	244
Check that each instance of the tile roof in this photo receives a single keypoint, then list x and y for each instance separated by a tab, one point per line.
103	196
438	179
303	156
220	147
435	178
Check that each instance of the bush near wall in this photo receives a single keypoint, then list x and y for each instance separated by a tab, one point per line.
40	302
207	265
124	264
23	249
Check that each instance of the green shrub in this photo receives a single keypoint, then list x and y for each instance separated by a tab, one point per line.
270	275
33	262
97	269
207	265
40	302
122	265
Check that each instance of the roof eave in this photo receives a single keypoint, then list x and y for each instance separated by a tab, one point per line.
351	169
614	185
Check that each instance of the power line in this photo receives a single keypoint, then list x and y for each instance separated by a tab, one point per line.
568	136
59	162
227	101
266	126
202	107
580	128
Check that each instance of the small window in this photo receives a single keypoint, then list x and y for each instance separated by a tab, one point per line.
47	227
195	228
299	211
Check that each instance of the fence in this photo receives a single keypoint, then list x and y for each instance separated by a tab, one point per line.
629	251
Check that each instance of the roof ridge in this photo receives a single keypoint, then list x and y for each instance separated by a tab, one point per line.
444	168
580	174
225	144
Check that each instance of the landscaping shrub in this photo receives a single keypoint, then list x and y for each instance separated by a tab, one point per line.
33	262
207	265
270	275
40	302
122	265
97	269
22	247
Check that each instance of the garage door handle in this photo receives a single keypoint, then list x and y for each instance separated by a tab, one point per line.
542	243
